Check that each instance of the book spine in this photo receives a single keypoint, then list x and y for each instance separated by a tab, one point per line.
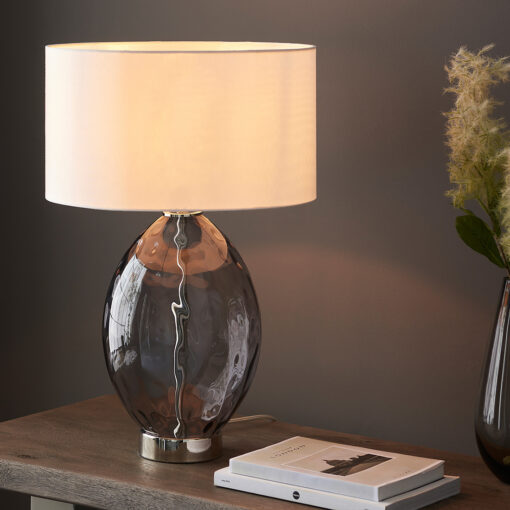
293	493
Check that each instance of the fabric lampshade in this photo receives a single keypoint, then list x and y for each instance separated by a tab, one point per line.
180	126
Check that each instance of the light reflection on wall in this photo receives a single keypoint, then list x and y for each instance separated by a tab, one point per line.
369	345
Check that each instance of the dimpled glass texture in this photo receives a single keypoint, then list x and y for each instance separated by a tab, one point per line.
181	328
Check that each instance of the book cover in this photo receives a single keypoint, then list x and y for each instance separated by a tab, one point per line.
412	500
341	469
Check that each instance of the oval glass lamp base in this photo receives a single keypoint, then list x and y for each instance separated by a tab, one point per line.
164	449
181	336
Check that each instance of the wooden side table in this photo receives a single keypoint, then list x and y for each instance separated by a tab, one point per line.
85	454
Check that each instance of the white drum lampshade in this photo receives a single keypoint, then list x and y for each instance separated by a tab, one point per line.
180	126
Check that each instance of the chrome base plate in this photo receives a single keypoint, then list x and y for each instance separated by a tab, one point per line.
165	449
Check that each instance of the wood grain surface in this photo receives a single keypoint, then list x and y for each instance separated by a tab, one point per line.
85	453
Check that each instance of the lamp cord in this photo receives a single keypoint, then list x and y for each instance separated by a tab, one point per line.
255	417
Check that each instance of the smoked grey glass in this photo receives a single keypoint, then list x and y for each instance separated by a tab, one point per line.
181	328
493	416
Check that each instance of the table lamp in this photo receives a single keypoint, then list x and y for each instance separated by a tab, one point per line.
180	128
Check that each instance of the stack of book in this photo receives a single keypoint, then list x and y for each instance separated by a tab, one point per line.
339	477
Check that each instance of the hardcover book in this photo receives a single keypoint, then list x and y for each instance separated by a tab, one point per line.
341	469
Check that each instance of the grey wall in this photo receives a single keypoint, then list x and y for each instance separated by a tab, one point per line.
375	315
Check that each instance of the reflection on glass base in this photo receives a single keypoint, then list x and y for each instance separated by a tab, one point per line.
164	449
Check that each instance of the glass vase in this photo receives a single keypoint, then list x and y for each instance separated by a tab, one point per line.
492	424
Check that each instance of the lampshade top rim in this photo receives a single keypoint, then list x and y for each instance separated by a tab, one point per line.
181	47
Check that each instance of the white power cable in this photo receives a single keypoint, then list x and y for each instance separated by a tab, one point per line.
266	417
